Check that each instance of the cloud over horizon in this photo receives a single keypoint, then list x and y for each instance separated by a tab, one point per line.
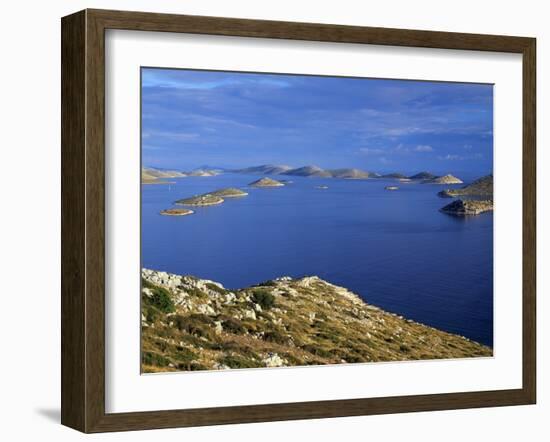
225	119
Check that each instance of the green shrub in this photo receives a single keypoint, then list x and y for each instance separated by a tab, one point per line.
276	336
404	348
184	354
197	325
269	283
151	313
238	362
317	351
150	358
233	325
264	298
160	299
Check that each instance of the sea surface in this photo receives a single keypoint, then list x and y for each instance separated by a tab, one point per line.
393	248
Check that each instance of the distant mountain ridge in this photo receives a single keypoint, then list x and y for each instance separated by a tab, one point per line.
306	171
266	169
156	175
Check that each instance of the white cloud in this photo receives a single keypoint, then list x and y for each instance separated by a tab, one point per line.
423	148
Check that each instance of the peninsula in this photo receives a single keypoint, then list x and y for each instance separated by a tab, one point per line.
481	187
197	324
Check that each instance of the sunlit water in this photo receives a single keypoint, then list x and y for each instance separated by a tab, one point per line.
393	248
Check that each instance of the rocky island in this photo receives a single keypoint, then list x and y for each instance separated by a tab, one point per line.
395	176
468	207
150	175
200	200
445	179
423	176
266	182
176	212
196	324
229	192
481	187
391	188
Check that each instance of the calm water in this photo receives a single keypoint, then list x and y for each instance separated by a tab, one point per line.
395	249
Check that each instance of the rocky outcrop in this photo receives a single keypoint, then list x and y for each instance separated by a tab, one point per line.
468	207
391	188
197	324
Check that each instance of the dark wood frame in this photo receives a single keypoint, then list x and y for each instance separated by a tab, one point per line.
83	220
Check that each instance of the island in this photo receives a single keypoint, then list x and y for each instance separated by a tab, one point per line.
229	192
445	179
200	200
150	175
480	187
395	176
423	176
189	324
468	207
176	212
321	187
391	188
266	182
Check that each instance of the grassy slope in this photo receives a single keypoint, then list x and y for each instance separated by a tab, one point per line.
193	324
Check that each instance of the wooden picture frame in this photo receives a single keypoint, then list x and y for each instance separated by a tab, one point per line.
83	220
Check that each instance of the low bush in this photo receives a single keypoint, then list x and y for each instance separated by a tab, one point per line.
238	362
160	299
150	358
264	298
197	325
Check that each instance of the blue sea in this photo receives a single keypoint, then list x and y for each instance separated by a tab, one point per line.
393	248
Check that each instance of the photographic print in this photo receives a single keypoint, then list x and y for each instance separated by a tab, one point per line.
297	220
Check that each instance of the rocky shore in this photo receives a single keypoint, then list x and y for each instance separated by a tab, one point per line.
196	324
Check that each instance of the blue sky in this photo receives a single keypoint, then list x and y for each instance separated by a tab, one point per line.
192	118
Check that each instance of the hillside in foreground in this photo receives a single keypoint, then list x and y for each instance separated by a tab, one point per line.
196	324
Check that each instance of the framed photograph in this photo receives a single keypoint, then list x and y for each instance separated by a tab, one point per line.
266	221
